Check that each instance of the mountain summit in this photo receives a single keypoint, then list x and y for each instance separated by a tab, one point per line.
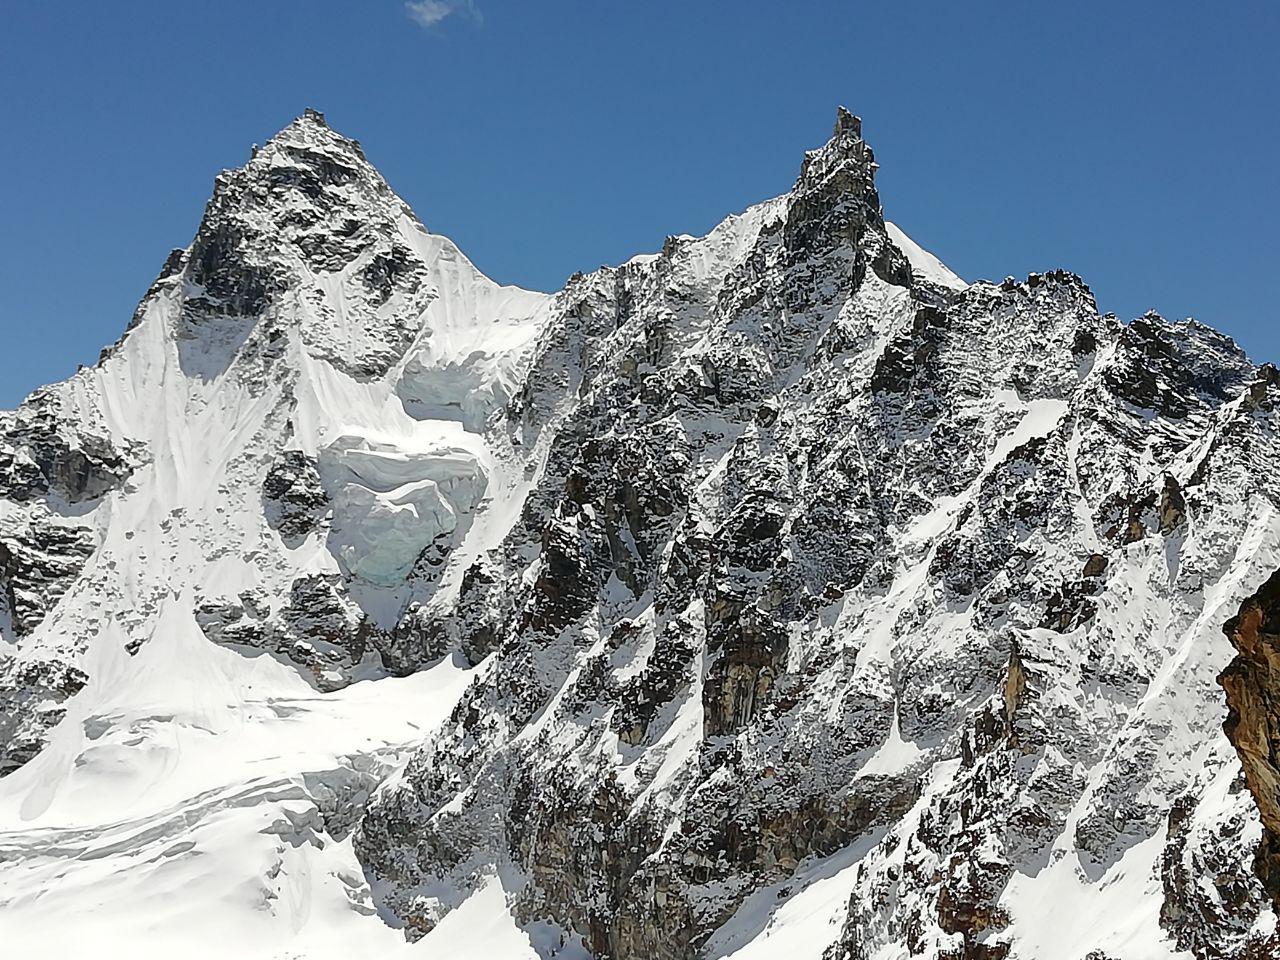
778	593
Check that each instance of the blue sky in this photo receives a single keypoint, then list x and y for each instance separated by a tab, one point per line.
1134	143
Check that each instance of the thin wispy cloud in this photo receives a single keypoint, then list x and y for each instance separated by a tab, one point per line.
428	14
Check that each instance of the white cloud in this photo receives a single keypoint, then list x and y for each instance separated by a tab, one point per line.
428	13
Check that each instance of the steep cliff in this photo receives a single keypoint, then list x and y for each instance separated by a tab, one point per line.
1252	684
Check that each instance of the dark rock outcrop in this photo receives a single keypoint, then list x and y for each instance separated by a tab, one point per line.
293	495
32	694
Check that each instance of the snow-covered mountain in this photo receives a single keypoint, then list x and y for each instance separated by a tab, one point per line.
779	594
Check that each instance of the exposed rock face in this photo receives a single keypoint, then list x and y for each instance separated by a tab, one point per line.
1211	898
793	575
1252	684
294	495
31	698
43	451
39	560
306	206
55	468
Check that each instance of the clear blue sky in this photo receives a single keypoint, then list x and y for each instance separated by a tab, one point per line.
1135	143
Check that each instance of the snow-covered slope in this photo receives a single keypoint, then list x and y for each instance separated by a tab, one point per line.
777	594
923	263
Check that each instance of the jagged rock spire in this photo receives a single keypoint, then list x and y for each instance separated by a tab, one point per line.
836	204
846	161
847	124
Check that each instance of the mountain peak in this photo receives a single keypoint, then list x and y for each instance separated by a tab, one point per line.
310	129
847	124
307	204
846	157
835	203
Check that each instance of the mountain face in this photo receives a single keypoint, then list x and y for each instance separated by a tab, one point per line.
777	594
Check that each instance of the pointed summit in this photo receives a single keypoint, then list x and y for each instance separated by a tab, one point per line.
847	124
834	204
307	205
312	130
846	154
307	193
